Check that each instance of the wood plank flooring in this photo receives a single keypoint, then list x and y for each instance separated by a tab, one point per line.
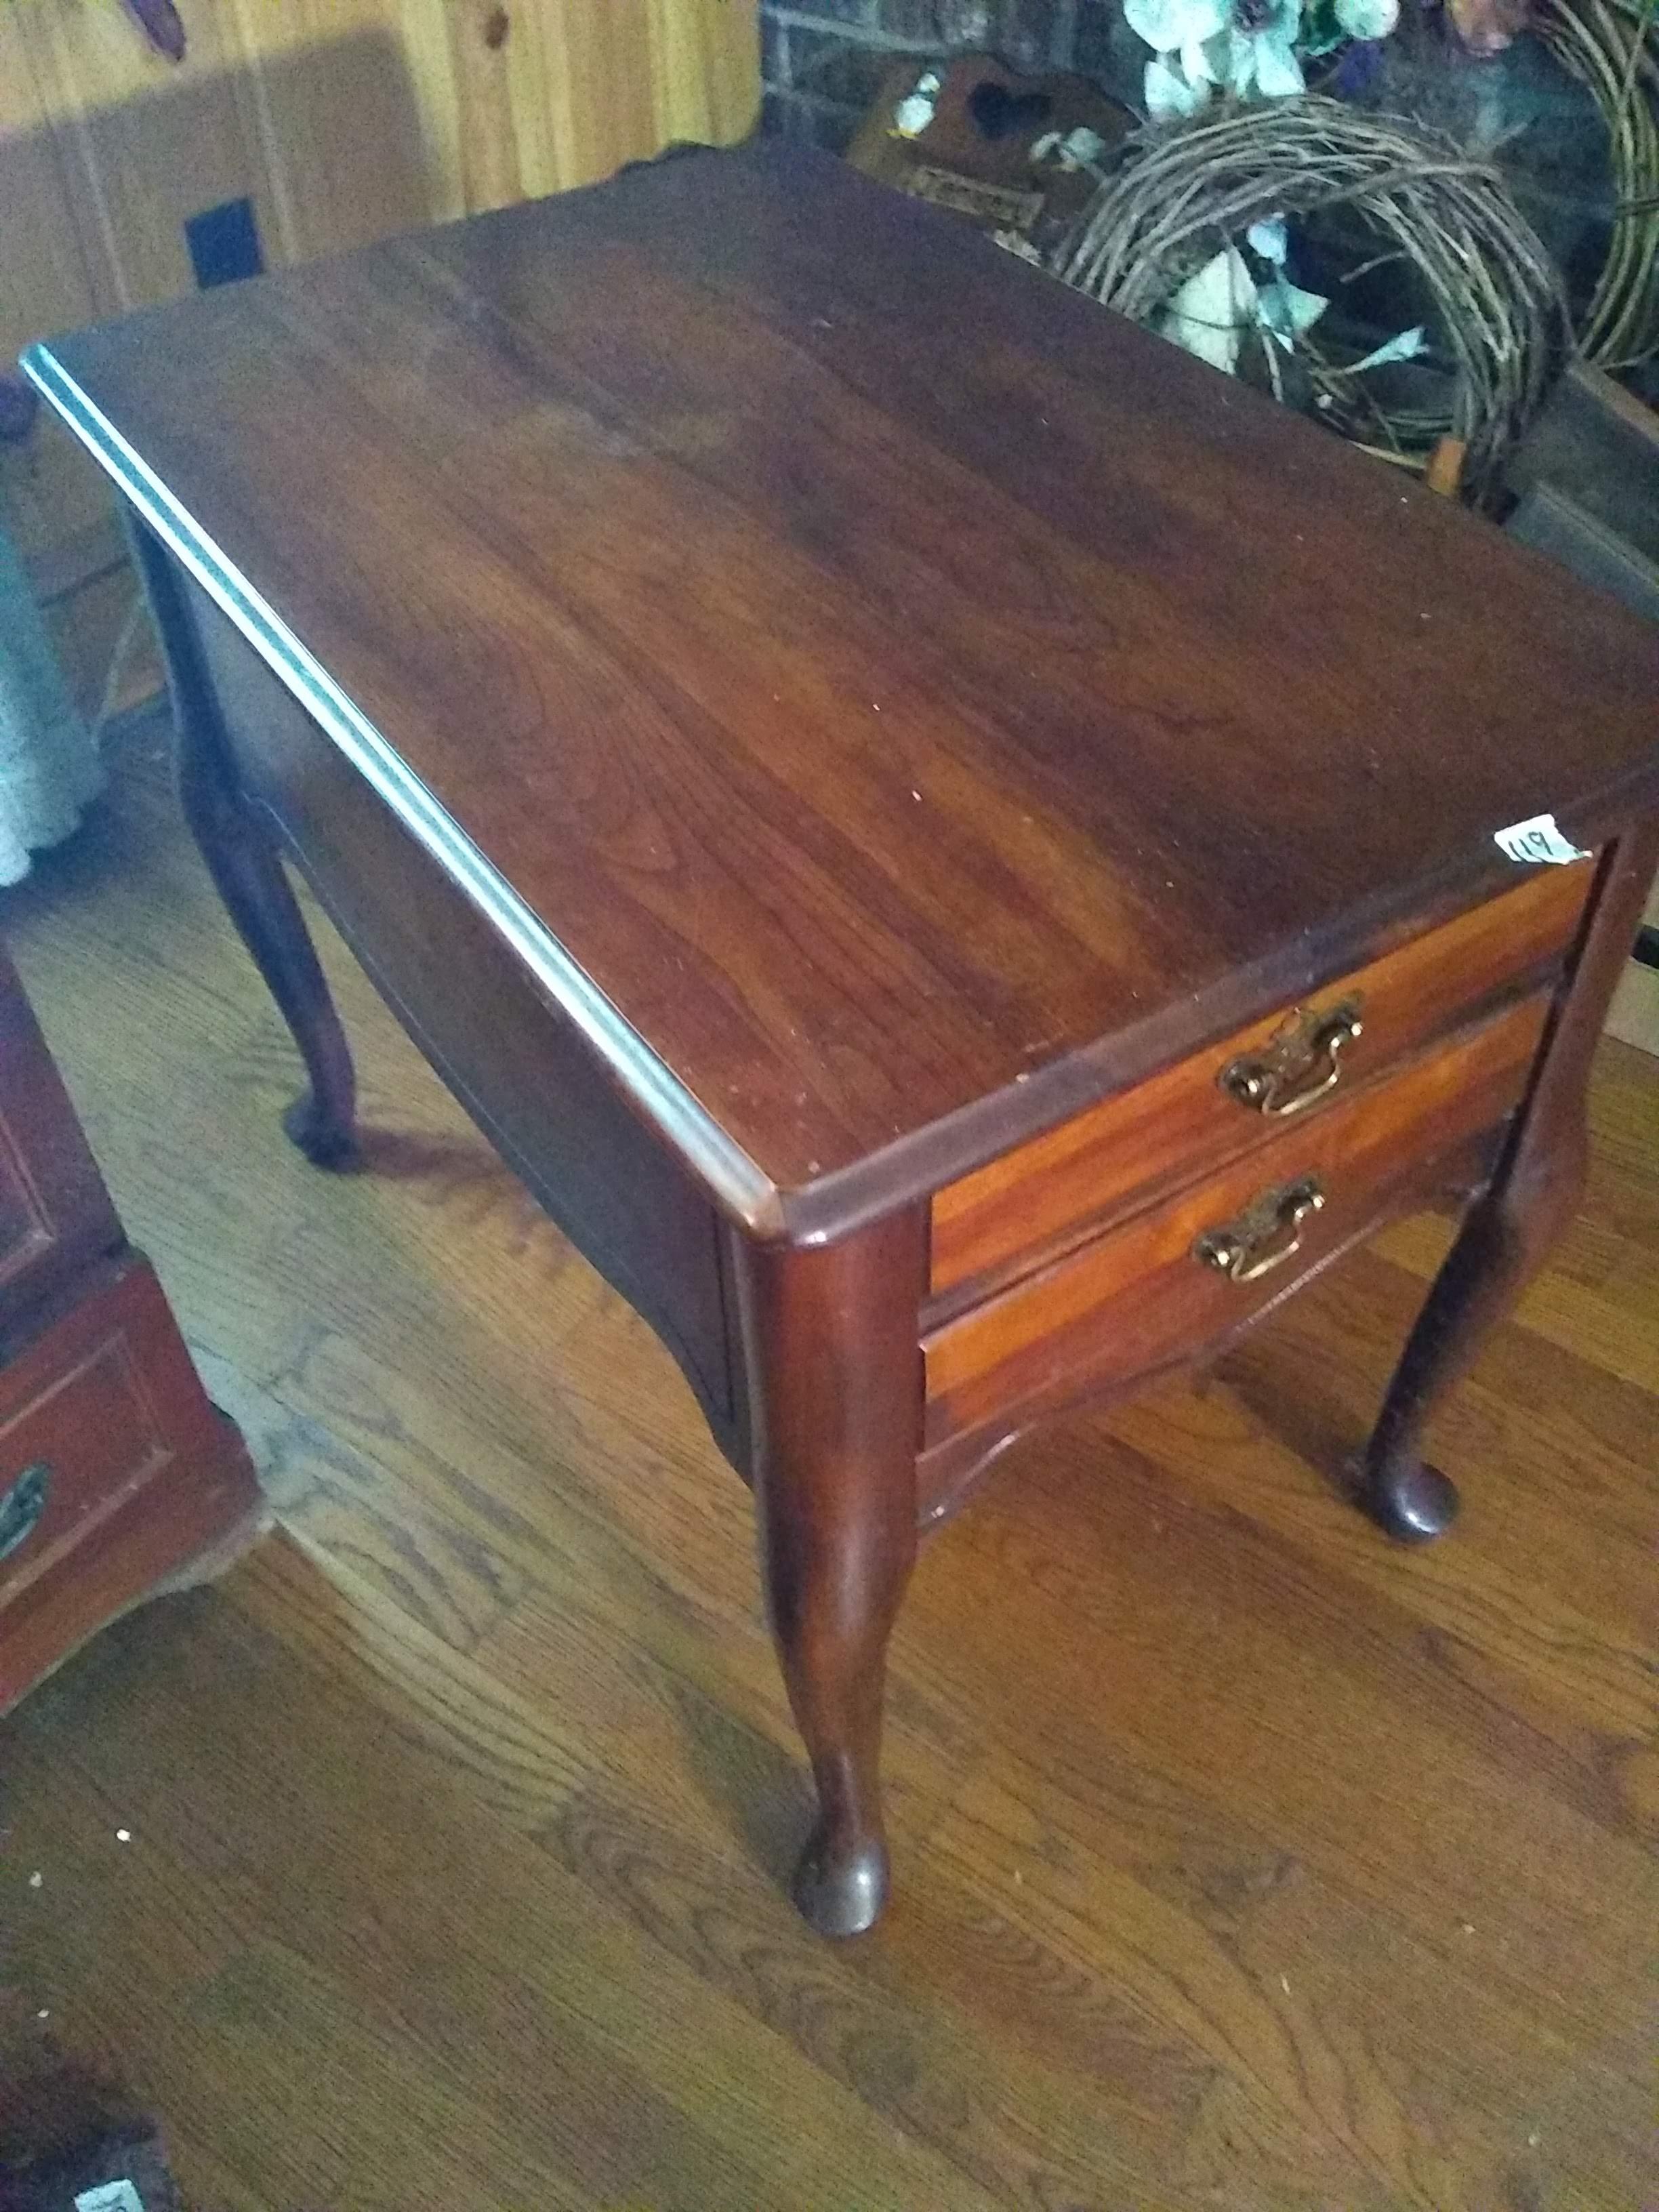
1243	1861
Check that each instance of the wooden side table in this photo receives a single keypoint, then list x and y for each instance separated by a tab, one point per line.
955	849
118	1481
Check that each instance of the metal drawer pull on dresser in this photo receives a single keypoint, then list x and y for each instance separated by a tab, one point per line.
1299	1067
1265	1235
832	830
22	1506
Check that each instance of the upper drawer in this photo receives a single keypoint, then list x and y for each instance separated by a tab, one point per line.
55	1214
1236	1093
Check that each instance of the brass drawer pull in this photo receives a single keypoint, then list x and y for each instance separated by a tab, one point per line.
1301	1063
1266	1233
21	1506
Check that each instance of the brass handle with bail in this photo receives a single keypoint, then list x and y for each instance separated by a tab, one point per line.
1302	1064
1265	1235
21	1506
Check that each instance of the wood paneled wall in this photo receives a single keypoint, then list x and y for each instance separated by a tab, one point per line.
342	119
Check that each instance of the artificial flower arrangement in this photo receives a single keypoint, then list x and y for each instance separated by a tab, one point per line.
1253	49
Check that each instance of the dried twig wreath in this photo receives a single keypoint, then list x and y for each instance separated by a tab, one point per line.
1613	47
1499	330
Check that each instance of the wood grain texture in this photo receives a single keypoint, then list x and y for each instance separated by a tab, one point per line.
1535	1194
49	491
1634	1013
1091	1167
82	1401
580	834
55	1213
343	121
1137	1297
1251	1863
782	639
838	1424
241	857
1180	1325
479	1019
145	1487
118	1480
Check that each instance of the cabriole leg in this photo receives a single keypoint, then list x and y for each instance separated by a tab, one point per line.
242	857
1533	1195
835	1370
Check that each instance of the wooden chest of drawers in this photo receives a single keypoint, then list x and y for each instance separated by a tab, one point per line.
118	1479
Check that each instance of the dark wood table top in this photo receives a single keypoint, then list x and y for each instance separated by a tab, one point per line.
888	700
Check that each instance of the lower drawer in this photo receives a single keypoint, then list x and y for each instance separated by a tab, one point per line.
95	1410
1188	1270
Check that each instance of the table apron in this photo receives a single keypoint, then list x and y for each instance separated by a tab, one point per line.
509	1056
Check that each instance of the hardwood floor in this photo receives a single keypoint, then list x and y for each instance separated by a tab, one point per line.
1243	1861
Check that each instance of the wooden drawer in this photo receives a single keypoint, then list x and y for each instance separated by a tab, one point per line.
97	1408
1140	1297
55	1214
1078	1175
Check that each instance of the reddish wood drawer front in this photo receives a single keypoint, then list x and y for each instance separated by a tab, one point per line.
55	1214
1138	1298
96	1409
1182	1121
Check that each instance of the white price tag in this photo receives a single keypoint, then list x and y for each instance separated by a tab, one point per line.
1537	840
